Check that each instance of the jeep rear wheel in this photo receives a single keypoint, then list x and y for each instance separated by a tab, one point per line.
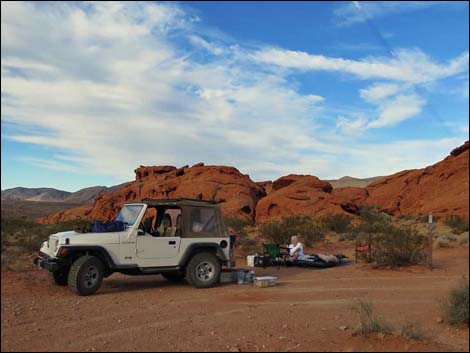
60	278
86	275
174	277
203	270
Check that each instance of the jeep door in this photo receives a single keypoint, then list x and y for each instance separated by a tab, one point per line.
161	240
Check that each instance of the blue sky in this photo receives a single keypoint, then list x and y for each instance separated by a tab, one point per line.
90	91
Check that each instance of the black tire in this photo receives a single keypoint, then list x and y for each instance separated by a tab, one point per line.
86	275
60	278
174	277
203	270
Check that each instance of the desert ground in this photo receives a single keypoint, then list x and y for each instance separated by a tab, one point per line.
308	310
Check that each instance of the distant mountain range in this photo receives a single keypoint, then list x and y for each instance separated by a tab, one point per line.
83	197
348	181
87	195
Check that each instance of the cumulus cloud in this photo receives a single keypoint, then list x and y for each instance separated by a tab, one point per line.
114	85
412	66
354	12
398	109
379	91
110	85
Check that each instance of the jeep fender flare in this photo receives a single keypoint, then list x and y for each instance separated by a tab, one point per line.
200	247
100	251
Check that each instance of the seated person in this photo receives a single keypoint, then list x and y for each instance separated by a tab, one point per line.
148	225
164	225
296	250
165	229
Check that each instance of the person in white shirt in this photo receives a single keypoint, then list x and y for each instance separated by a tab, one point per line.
296	250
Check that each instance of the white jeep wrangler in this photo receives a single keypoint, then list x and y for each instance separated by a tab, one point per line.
178	239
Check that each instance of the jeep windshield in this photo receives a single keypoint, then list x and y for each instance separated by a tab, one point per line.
129	214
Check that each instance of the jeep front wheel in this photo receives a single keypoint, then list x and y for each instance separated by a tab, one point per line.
86	275
203	270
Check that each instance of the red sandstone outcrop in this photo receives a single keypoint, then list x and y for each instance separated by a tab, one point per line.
301	195
441	188
236	191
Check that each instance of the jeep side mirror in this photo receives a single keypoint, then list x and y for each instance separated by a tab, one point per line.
140	232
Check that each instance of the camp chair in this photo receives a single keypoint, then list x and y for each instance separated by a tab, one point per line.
364	248
277	254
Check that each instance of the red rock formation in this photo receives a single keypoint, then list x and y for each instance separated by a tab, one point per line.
236	191
441	188
301	195
266	185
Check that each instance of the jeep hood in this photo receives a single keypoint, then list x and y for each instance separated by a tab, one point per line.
63	235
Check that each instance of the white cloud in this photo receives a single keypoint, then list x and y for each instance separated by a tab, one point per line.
398	109
114	85
349	13
379	91
210	47
115	90
412	66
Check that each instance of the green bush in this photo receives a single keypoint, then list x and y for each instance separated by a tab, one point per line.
369	323
352	235
444	240
371	215
238	224
338	223
457	223
457	305
28	236
248	244
412	331
280	231
464	239
398	246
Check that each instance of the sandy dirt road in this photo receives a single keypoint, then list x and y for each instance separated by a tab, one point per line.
305	312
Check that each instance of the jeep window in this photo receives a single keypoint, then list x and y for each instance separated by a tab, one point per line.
203	220
170	224
129	214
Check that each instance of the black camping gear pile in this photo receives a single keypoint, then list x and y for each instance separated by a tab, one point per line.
276	255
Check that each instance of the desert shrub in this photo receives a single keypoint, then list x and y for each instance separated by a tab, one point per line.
456	306
371	215
463	240
248	244
398	246
440	242
280	231
238	224
411	330
457	223
444	240
347	236
29	235
369	323
338	223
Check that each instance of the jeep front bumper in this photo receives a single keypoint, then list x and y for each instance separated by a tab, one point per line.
46	262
